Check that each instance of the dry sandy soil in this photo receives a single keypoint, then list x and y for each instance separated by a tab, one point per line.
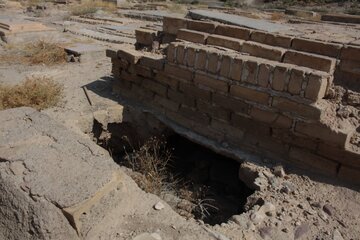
284	206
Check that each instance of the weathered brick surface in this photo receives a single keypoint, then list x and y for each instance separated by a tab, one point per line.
249	72
271	39
180	54
192	36
145	36
264	74
111	53
130	77
295	82
213	62
213	111
263	116
236	69
231	104
181	98
201	58
191	90
166	103
292	107
350	53
211	83
309	60
280	77
171	53
324	133
153	61
172	25
263	51
250	126
168	80
190	56
318	47
316	87
130	55
193	114
201	26
178	72
308	160
233	31
249	94
226	42
144	71
348	158
155	87
225	65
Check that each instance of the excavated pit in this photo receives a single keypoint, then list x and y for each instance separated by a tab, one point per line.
196	182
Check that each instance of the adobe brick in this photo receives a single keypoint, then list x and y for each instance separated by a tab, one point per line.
236	69
264	74
287	105
229	103
249	72
192	36
225	65
342	156
193	114
226	42
190	56
214	111
262	115
231	133
210	82
306	159
283	122
318	47
208	27
201	58
268	145
172	25
181	98
191	90
295	82
111	54
143	71
180	119
263	51
279	78
350	66
249	125
171	53
142	94
312	61
249	94
155	87
130	77
145	36
130	55
208	132
212	64
350	53
179	72
153	61
316	87
233	31
331	136
271	39
180	54
167	80
166	103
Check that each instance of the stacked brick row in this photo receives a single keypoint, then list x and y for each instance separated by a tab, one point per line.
233	99
322	56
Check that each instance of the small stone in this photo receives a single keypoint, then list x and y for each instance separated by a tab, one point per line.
279	171
329	210
323	216
240	220
257	217
268	208
288	187
265	232
159	206
337	235
301	230
316	205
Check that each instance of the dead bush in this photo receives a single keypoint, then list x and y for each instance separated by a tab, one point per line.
39	52
38	92
91	6
151	160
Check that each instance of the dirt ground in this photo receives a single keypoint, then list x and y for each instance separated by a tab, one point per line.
283	206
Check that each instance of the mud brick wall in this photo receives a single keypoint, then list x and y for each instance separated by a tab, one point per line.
244	94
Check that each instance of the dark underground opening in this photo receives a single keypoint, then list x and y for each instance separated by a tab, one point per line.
195	181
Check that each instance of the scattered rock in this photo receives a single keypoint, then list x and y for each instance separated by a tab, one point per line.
288	187
301	230
329	210
279	171
241	220
257	217
159	206
265	232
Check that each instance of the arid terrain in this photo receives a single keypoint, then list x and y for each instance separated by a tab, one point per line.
83	160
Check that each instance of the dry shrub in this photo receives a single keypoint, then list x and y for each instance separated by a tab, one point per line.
91	6
39	52
39	92
151	160
44	52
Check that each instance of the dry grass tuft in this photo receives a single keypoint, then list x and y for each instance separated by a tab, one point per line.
91	6
39	92
151	160
39	52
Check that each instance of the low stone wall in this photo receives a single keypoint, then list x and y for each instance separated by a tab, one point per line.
270	107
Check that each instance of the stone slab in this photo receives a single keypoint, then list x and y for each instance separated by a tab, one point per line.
238	20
